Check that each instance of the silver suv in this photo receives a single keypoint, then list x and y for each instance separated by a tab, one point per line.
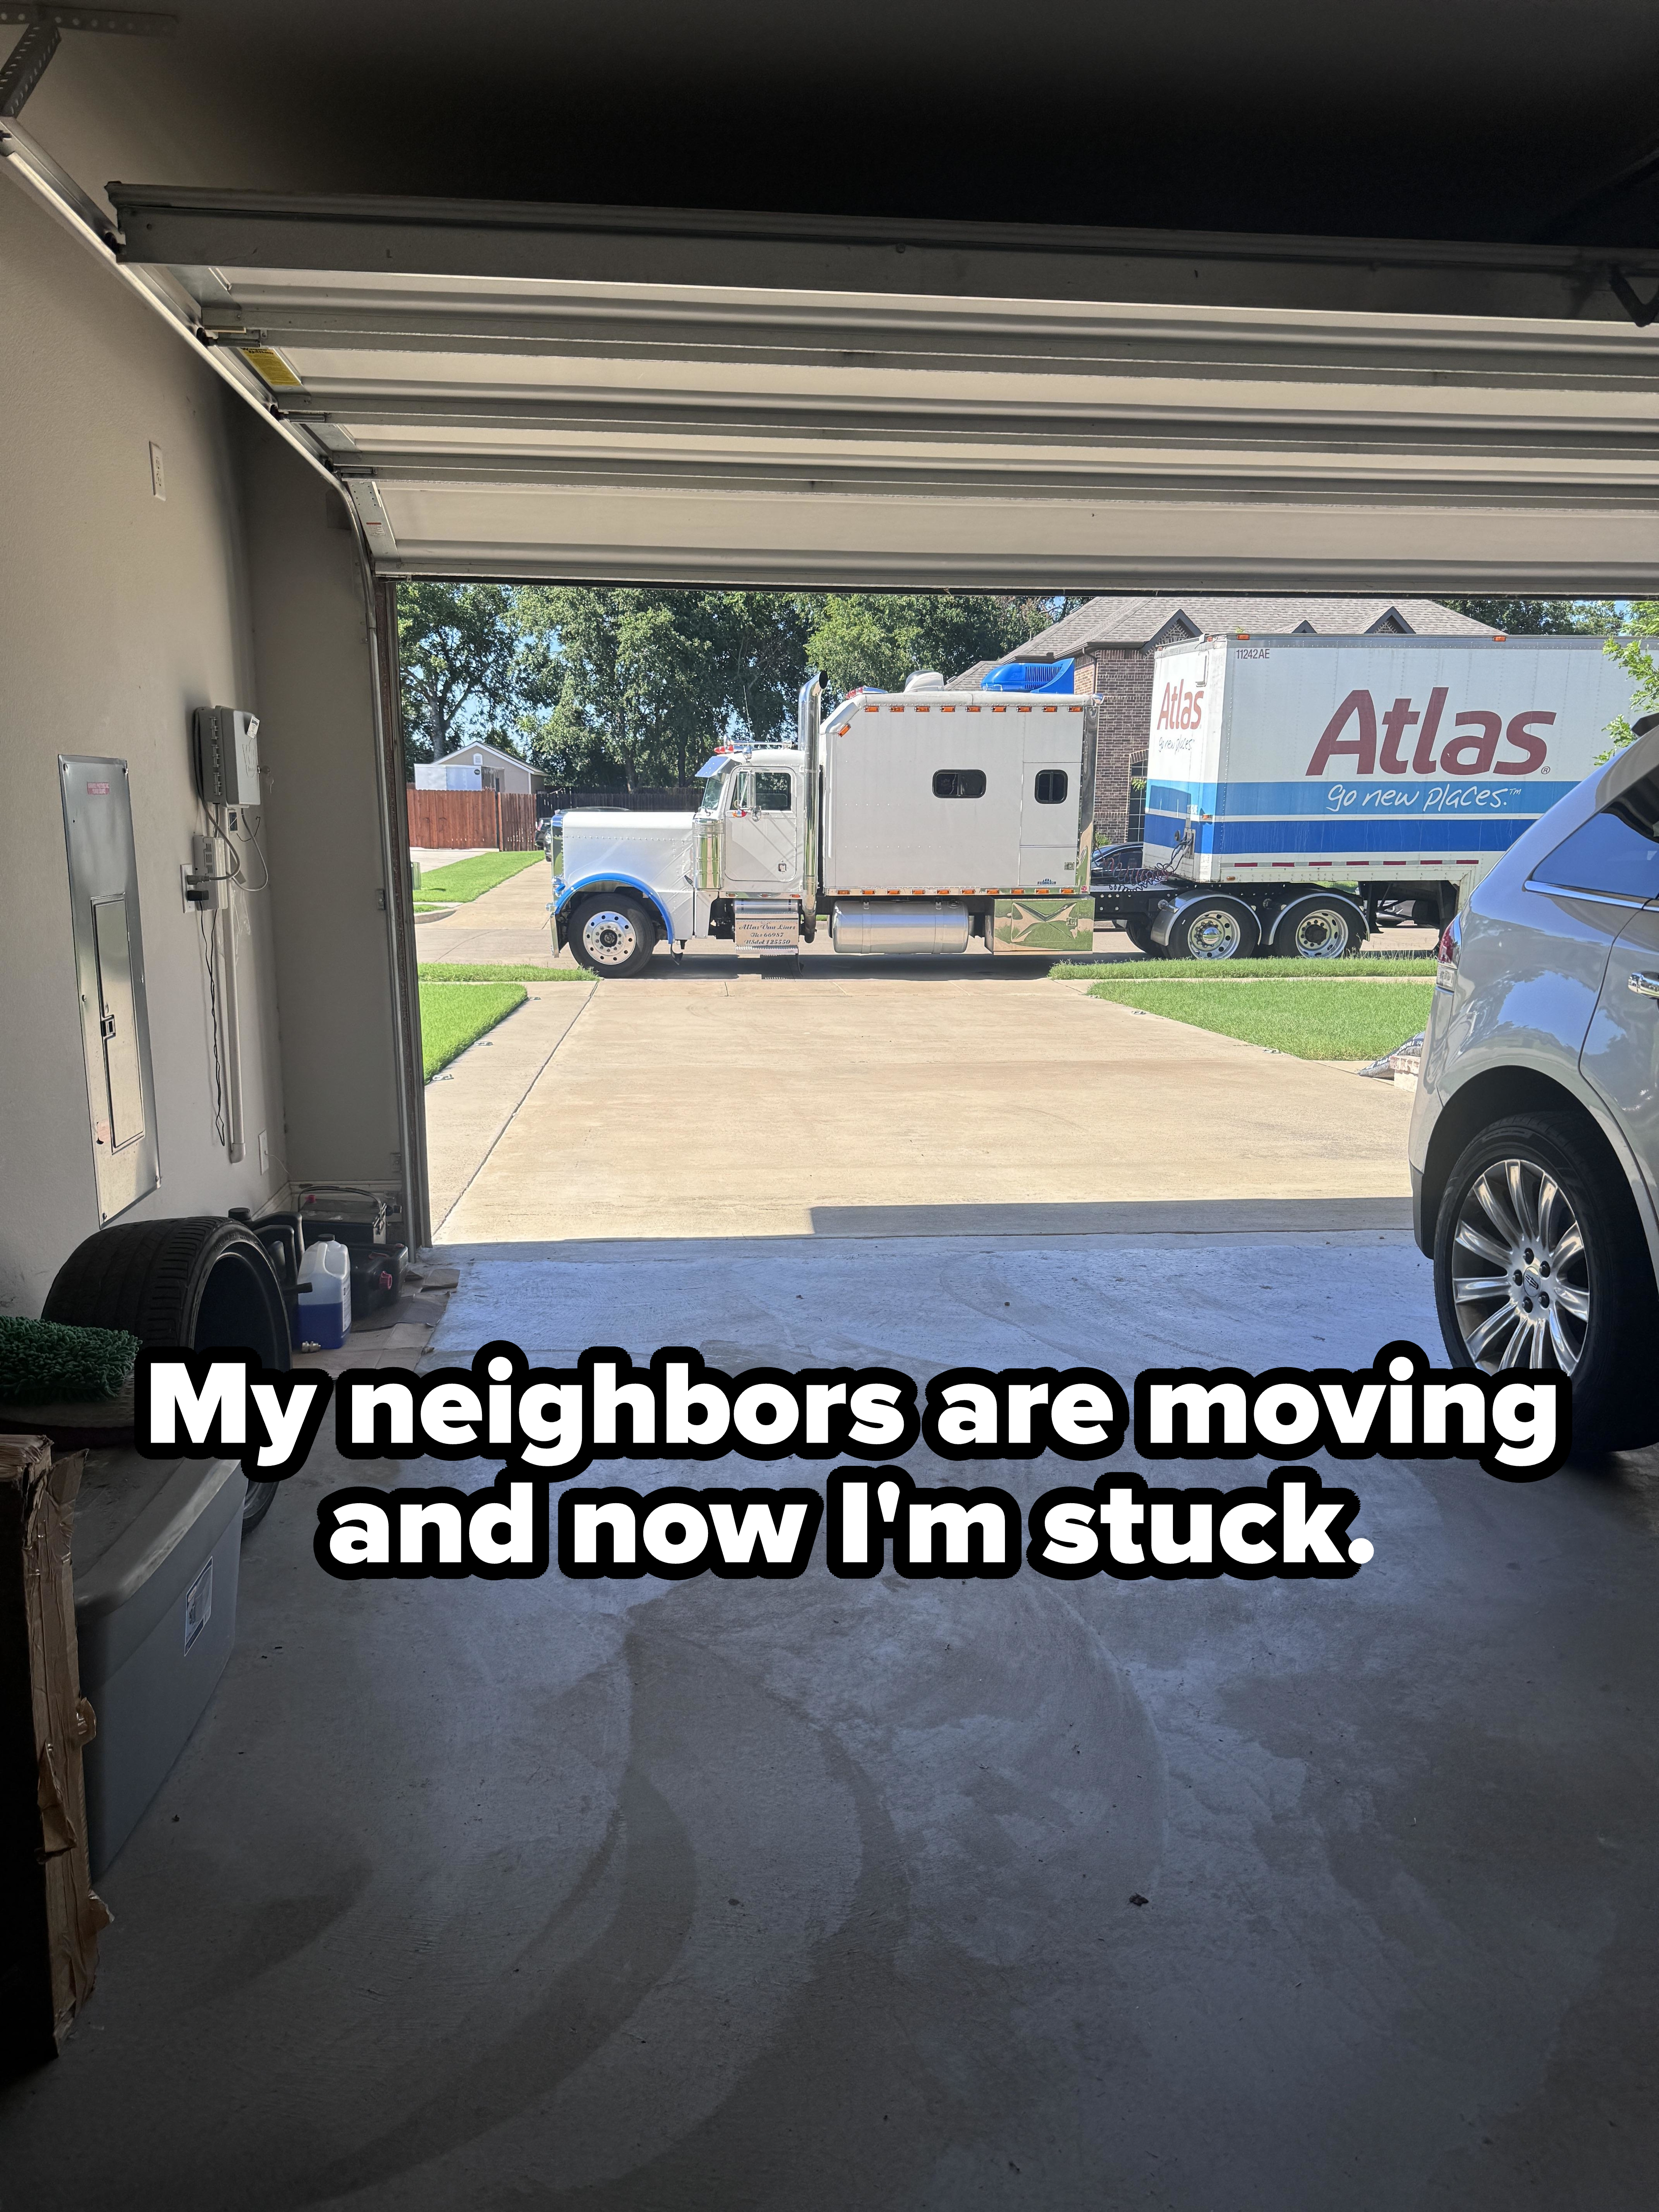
1534	1137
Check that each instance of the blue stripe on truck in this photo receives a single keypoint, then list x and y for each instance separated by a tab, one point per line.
1354	834
1343	798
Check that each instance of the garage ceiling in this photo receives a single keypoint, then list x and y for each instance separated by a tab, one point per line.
622	394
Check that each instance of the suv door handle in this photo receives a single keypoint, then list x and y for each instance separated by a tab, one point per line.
1646	986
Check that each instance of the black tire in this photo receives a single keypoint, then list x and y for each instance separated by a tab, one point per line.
1607	1347
1139	931
200	1284
1214	929
612	936
257	1504
1318	929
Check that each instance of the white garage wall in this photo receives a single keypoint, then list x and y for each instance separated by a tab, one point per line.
314	660
119	613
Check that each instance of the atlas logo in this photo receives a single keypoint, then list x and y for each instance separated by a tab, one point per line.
1181	706
1354	732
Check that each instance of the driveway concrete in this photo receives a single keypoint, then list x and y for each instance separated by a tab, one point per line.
860	1099
898	1896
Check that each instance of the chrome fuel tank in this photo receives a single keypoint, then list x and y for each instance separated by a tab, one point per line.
899	925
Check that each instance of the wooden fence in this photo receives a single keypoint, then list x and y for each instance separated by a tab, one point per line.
505	820
665	799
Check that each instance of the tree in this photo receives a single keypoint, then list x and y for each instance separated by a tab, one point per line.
613	676
457	652
881	638
1536	617
1633	649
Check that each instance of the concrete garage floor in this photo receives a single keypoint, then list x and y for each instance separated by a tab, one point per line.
818	1896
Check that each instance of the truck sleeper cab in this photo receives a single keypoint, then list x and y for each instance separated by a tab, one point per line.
910	823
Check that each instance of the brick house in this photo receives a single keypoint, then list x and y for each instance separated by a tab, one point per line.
1113	641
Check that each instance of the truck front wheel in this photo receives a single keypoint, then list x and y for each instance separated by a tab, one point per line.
612	936
1139	931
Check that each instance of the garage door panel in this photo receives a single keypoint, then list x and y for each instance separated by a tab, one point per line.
984	545
601	393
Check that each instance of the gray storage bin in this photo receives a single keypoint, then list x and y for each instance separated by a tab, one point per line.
157	1546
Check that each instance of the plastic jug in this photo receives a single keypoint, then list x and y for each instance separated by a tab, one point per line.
325	1295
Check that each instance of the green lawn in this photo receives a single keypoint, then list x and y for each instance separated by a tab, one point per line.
456	1015
1387	966
444	971
1342	1019
462	880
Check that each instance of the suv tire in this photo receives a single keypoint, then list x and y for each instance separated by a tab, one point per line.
1559	1277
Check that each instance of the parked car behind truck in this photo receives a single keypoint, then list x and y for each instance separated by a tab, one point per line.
912	822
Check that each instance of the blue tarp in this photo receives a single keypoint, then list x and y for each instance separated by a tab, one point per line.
1029	676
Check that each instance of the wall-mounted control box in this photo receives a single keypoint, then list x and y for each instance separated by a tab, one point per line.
228	757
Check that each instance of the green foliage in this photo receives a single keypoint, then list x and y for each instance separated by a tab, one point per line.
456	1015
1538	617
1313	1019
1382	967
505	971
1633	649
457	650
881	638
462	881
636	685
616	679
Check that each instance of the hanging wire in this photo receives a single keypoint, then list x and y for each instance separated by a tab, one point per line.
211	966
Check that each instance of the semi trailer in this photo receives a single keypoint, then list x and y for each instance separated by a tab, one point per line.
908	823
1297	785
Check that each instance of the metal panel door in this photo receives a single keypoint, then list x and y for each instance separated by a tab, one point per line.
763	833
109	972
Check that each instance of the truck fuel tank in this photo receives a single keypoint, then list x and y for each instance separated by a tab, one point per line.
899	925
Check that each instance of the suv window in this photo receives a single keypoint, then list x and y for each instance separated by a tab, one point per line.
771	791
959	783
1052	785
1615	852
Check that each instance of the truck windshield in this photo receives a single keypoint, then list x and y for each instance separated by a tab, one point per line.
712	787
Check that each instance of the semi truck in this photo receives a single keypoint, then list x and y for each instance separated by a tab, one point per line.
908	823
1297	785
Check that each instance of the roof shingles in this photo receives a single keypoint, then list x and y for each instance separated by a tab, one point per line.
1131	620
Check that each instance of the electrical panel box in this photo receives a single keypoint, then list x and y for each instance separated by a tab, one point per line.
109	968
228	757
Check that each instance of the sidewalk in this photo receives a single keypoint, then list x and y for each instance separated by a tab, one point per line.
510	923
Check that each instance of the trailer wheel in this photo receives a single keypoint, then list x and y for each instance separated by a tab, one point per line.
611	936
1318	929
1213	929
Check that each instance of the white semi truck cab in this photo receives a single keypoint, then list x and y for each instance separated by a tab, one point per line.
905	822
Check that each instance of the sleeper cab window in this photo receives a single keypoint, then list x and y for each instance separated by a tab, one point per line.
771	791
959	783
1052	785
